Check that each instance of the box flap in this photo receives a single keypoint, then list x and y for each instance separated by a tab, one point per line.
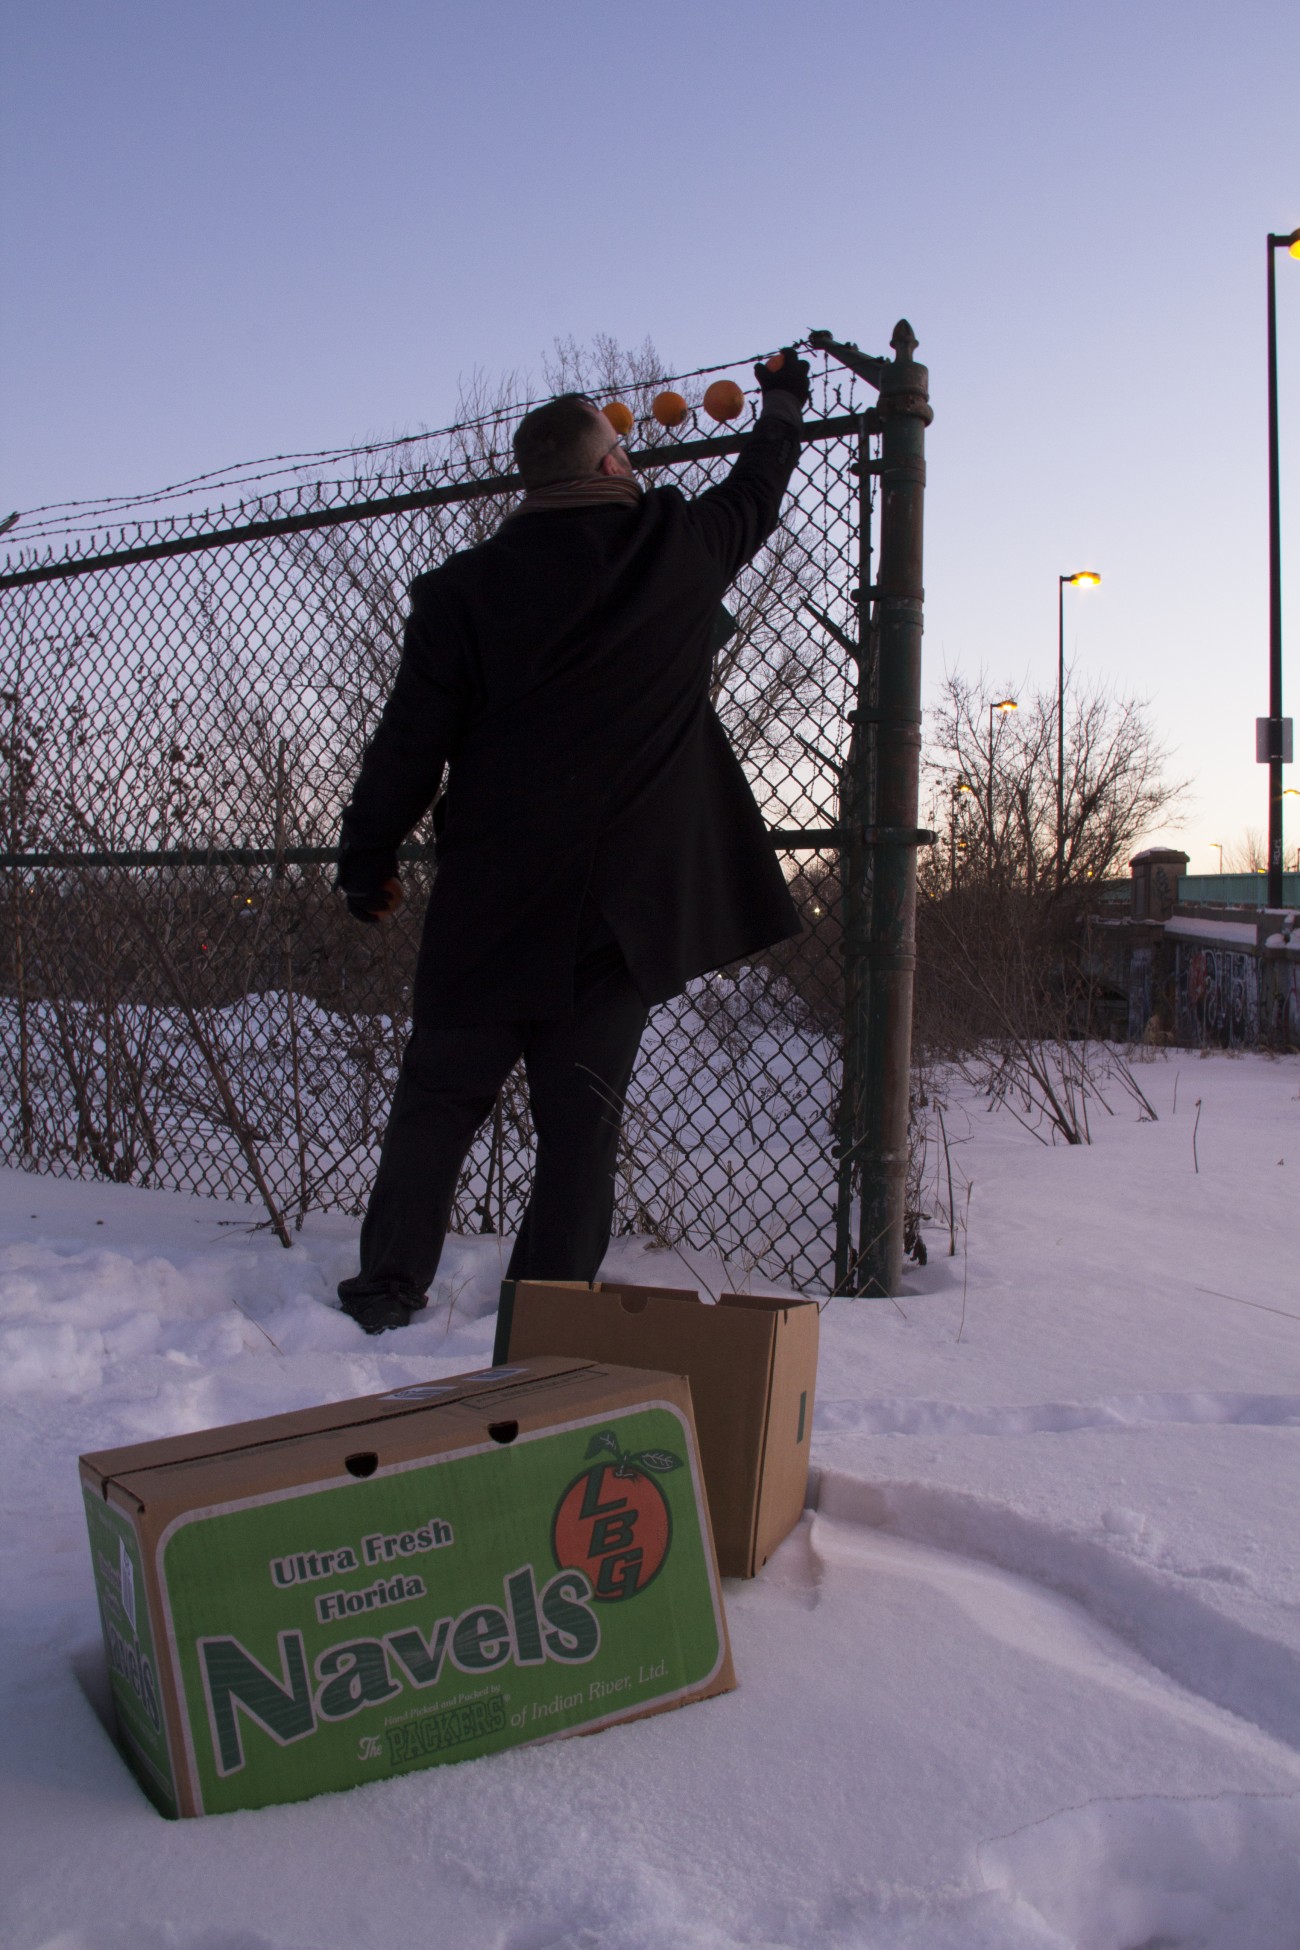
204	1445
768	1303
594	1389
361	1449
633	1296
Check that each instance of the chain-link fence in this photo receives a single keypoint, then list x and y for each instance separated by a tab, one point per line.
183	999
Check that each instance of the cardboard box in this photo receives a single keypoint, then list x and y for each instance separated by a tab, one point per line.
350	1592
752	1364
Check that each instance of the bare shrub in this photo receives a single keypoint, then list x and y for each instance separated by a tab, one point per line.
993	785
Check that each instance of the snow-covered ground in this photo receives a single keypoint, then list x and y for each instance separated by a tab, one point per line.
1027	1674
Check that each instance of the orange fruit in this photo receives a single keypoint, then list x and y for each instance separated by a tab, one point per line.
618	415
724	400
670	409
775	363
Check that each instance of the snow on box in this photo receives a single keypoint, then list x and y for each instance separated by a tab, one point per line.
337	1594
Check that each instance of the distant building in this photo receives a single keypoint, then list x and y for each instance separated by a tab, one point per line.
1198	959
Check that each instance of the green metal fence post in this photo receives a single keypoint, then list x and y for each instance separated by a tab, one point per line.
854	867
881	814
891	955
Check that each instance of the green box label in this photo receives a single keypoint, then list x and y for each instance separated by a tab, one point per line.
129	1643
439	1610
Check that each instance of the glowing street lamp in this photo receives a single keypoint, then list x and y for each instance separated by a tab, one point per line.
1290	244
1081	579
1003	705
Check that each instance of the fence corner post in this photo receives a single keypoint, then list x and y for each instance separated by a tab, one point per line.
890	952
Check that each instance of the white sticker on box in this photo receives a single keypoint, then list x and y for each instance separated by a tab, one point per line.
425	1391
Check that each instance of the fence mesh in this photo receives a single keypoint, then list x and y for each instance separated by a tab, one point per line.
183	999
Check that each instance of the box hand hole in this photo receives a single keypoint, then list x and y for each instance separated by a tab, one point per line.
364	1463
503	1431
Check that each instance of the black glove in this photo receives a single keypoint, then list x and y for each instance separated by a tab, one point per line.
377	905
791	376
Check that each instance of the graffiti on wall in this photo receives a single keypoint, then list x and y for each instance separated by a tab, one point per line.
1139	993
1218	996
1164	892
1285	1002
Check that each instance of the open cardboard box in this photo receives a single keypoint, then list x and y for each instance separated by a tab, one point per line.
350	1592
751	1360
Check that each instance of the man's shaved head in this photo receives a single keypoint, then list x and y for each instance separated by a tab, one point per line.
562	440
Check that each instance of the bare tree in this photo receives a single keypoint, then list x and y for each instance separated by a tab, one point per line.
993	784
1249	854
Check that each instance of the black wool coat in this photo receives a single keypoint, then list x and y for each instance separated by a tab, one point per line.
559	674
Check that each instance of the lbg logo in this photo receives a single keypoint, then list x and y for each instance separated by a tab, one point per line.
613	1522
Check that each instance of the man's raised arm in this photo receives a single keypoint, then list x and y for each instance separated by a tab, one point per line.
404	762
735	518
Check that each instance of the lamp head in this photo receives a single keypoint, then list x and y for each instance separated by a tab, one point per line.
1293	243
1083	578
1006	704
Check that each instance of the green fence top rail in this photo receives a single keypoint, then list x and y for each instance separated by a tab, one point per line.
1235	889
835	427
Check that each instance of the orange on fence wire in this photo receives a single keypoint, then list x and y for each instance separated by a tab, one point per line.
669	409
724	400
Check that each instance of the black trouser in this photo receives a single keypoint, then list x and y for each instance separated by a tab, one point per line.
578	1070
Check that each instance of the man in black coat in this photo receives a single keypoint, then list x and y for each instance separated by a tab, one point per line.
599	844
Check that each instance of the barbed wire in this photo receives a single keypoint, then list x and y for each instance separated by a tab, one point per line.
54	519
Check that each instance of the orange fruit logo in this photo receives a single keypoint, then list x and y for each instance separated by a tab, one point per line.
613	1522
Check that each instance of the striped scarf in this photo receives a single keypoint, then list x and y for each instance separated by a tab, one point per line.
587	491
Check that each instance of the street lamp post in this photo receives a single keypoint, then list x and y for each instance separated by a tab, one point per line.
1218	846
1274	892
1081	579
1004	704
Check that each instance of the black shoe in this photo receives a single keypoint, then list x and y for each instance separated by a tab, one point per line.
377	1308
